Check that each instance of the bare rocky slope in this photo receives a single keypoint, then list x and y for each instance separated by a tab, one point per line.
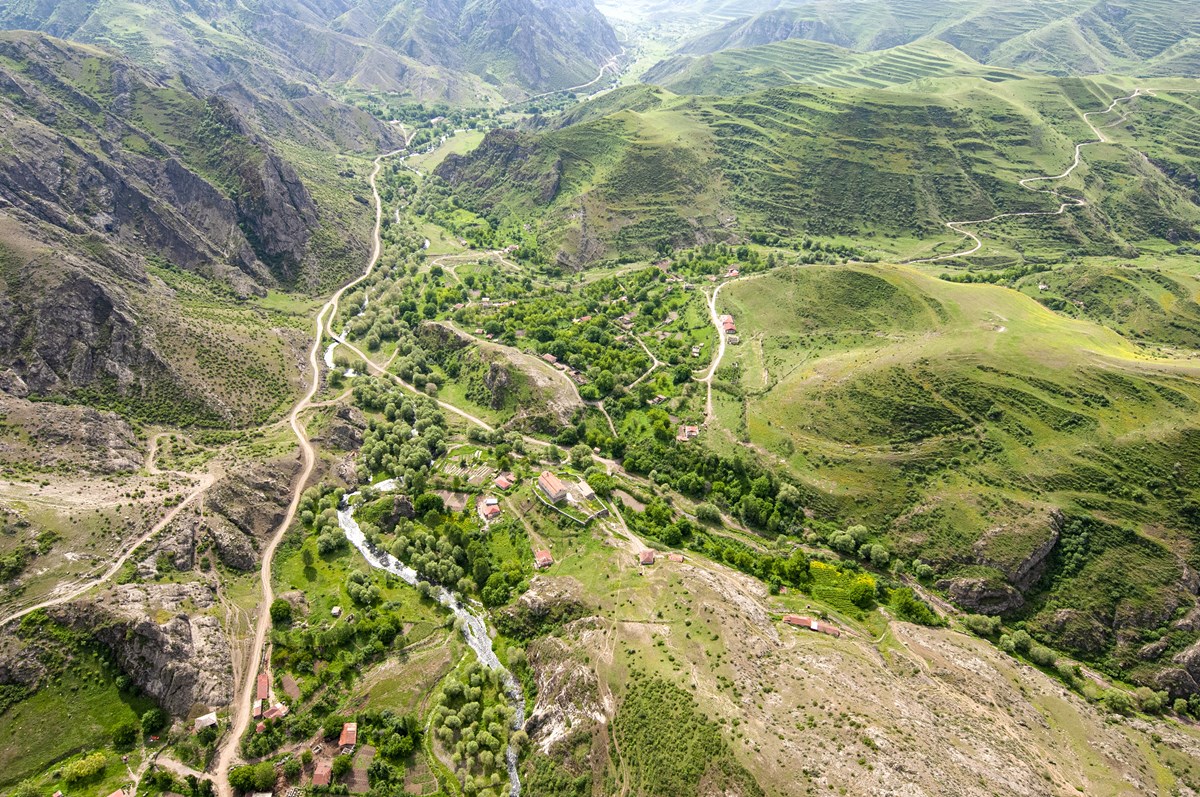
112	178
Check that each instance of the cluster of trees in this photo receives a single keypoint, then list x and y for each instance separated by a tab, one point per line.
548	320
473	722
406	441
86	768
743	487
318	514
366	640
253	777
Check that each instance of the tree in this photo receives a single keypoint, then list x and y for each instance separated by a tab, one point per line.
25	789
341	765
1117	701
281	611
291	768
862	591
581	457
125	734
85	768
153	721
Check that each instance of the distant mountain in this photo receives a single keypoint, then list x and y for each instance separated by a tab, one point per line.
464	51
1071	37
133	209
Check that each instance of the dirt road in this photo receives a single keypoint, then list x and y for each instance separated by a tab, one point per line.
1067	202
228	750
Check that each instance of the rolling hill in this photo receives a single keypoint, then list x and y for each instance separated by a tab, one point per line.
1040	464
642	169
730	72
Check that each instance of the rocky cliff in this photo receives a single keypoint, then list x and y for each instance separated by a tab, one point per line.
110	177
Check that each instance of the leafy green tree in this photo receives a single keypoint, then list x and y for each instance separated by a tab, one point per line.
281	610
125	734
154	721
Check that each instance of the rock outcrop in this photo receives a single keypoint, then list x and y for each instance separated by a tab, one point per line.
162	640
983	596
54	436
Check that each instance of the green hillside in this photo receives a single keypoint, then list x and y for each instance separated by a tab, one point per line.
1064	37
962	418
644	169
469	52
816	63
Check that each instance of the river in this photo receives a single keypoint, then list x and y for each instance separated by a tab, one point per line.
474	627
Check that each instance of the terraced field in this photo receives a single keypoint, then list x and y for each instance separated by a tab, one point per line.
642	168
1060	37
815	63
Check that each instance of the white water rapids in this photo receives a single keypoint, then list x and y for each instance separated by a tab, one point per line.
473	625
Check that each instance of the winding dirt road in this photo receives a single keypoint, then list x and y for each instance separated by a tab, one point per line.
228	750
1067	202
206	481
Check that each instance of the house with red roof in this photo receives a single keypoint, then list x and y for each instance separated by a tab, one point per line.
552	487
646	557
490	511
323	774
349	736
264	686
812	624
542	559
504	481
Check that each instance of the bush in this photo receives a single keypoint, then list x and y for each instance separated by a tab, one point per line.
910	608
1042	656
85	768
153	721
1117	701
125	734
707	513
281	612
982	624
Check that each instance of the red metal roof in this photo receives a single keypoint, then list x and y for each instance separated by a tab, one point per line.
349	734
264	686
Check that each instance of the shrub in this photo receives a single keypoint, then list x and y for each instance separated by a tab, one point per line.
125	734
281	611
1117	701
1042	656
982	624
85	768
153	721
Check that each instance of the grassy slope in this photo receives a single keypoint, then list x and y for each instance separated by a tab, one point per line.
1156	37
643	168
813	63
956	417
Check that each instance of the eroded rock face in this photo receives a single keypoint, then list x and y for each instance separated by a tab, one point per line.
345	431
80	437
983	596
249	503
568	699
162	640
